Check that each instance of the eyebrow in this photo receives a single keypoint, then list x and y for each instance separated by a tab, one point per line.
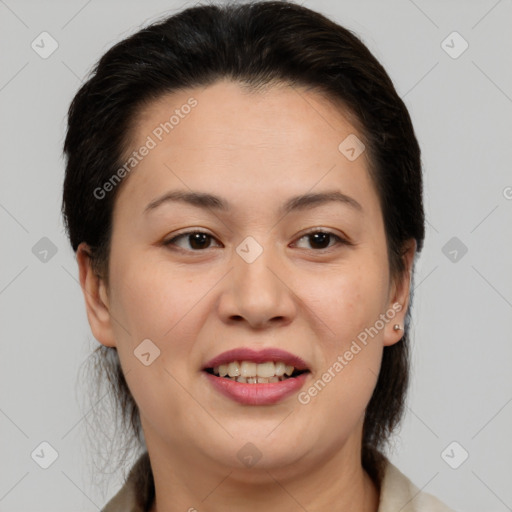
210	201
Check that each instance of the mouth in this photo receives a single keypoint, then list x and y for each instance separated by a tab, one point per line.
252	389
251	377
249	366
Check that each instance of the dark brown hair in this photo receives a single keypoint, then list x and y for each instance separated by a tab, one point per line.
254	44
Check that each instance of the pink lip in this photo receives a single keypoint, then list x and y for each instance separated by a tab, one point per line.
257	394
257	356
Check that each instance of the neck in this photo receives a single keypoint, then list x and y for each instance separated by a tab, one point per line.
185	483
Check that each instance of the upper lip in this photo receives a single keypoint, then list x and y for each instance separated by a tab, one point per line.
257	356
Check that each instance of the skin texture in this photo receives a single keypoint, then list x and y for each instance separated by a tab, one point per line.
255	150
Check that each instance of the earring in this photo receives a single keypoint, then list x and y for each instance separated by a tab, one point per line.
397	327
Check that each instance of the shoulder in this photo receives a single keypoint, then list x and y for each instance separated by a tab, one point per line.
399	493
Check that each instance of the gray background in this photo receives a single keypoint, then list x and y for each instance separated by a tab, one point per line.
462	351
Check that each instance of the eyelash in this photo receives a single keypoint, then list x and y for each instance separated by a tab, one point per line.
339	240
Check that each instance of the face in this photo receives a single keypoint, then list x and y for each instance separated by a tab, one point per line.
197	279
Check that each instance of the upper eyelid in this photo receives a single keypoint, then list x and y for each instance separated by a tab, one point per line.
190	232
323	230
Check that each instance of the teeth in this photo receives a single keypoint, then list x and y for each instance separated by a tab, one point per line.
280	368
257	380
222	370
234	370
265	369
250	372
248	369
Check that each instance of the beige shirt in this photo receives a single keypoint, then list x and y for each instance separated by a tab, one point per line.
397	494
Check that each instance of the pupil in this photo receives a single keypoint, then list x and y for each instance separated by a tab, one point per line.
198	240
321	239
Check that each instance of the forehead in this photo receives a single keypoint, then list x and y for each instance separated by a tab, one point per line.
250	117
283	139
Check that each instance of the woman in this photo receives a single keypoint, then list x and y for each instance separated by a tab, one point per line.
243	192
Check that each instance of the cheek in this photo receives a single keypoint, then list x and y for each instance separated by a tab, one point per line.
348	303
162	302
151	300
346	299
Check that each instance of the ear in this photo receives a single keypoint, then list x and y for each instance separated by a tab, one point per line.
399	296
96	298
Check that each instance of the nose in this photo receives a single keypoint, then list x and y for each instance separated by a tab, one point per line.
258	293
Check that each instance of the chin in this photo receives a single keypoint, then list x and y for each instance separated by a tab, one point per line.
252	455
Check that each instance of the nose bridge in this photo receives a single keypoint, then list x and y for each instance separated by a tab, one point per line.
252	271
256	292
255	273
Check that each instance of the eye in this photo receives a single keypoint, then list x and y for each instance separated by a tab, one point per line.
321	239
196	241
192	240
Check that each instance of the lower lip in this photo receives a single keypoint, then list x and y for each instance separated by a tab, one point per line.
257	394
